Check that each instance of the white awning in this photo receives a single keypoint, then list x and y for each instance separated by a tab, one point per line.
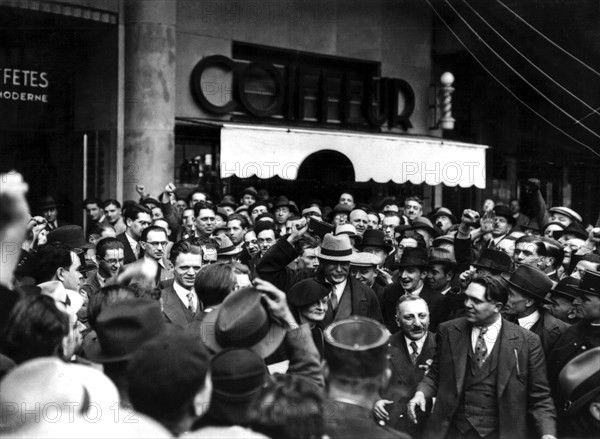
267	151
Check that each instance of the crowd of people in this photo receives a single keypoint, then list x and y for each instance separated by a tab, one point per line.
250	316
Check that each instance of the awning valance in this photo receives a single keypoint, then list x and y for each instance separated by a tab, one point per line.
267	151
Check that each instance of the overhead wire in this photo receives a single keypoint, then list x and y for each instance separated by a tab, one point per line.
554	104
566	52
589	107
489	72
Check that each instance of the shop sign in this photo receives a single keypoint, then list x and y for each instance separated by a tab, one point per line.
382	100
23	85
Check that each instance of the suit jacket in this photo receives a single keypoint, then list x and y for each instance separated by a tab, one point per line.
575	340
523	391
273	268
128	254
175	311
404	380
549	329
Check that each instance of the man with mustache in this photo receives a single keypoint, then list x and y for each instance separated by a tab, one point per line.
413	272
411	352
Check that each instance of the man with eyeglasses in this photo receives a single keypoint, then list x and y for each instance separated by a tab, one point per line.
181	305
110	258
154	242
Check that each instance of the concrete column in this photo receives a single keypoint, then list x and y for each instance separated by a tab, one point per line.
149	154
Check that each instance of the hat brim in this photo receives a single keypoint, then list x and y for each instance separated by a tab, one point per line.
345	258
94	353
506	277
582	291
265	347
386	247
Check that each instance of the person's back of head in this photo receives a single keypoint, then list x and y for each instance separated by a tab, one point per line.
169	380
288	407
50	258
214	282
35	328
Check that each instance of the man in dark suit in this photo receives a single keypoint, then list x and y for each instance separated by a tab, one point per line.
181	305
583	335
489	375
528	288
137	218
348	295
411	353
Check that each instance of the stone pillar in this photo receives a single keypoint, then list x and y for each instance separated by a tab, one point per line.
149	95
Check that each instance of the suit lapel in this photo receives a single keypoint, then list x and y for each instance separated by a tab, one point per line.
173	308
507	356
399	353
460	341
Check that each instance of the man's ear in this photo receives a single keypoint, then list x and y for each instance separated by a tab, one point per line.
60	274
143	244
128	222
424	274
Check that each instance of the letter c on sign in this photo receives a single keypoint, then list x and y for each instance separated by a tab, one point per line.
197	90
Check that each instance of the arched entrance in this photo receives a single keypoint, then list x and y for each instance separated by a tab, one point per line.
325	175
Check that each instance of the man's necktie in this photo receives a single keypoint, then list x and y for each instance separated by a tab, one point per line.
333	300
190	297
415	352
480	346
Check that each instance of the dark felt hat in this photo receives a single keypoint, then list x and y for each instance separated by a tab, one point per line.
258	204
222	213
341	208
530	281
414	257
72	236
150	200
283	201
579	381
167	371
494	260
307	291
122	328
356	347
242	321
374	238
423	223
228	200
441	256
444	239
225	247
237	375
504	211
47	202
575	229
249	191
590	283
566	287
444	211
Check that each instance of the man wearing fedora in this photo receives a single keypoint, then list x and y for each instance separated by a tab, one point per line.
356	351
364	269
581	336
411	353
282	208
374	241
440	273
413	272
49	209
444	219
489	375
561	298
528	288
349	296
